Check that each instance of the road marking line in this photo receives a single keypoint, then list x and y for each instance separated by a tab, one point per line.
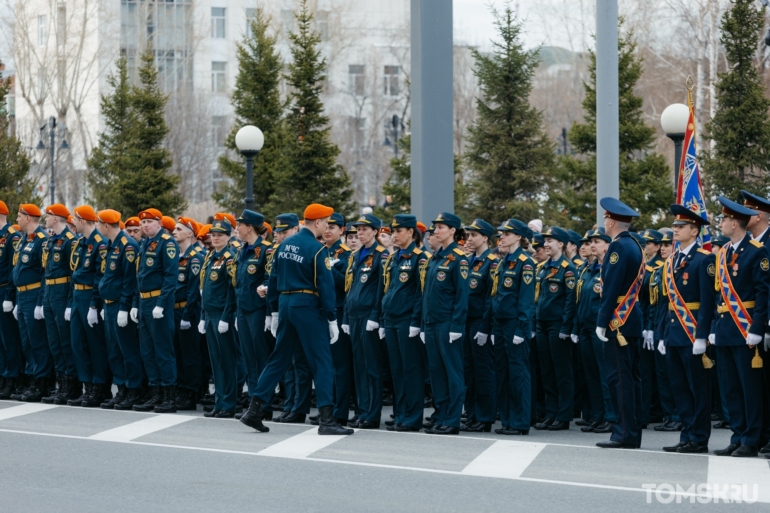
24	409
506	459
744	472
302	445
140	428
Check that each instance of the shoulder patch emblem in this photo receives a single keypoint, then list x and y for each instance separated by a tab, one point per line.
764	264
171	250
711	269
98	238
124	240
266	243
70	236
417	251
649	268
41	235
614	258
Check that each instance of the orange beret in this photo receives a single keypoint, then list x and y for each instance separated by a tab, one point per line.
109	216
4	208
317	211
71	220
385	229
30	209
86	213
168	223
204	231
151	213
133	221
421	227
122	225
269	228
17	227
223	216
57	209
189	223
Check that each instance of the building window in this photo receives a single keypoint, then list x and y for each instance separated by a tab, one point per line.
218	76
218	130
42	30
356	79
391	80
218	22
251	15
322	24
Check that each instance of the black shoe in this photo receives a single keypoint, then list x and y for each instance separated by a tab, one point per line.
327	425
582	422
211	414
446	430
501	430
615	445
292	418
559	425
727	451
590	428
765	449
663	426
512	432
675	448
97	396
169	404
390	423
33	394
21	387
477	427
355	423
403	428
129	400
85	390
722	424
428	425
283	415
253	416
390	428
60	390
226	415
119	398
604	427
745	451
693	448
673	426
208	409
714	416
8	388
544	424
186	400
369	425
154	400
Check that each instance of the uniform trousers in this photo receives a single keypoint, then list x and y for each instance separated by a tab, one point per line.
88	344
58	330
367	370
742	387
11	343
342	358
254	346
479	367
189	368
513	377
556	368
406	369
156	340
445	364
691	384
222	351
123	349
625	383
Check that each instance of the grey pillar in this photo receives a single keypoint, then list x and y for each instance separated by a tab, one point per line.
432	109
607	117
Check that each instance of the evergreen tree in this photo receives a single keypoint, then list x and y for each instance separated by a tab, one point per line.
311	173
645	182
509	155
16	186
740	128
257	101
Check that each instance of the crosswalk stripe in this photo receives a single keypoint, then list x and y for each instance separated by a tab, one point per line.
506	459
141	428
301	445
749	477
24	409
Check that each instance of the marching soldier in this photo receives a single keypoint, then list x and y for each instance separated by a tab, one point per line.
12	363
619	323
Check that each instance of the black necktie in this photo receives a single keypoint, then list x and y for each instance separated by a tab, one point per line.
730	252
678	260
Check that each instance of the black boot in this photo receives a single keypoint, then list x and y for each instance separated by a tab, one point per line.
21	387
169	402
253	416
8	388
327	425
96	397
50	399
84	389
119	398
34	393
130	399
186	401
155	399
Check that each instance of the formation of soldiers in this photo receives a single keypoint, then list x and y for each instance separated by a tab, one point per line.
618	328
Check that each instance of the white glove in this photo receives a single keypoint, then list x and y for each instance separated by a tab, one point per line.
123	319
413	332
481	338
334	262
601	332
222	327
454	336
202	327
767	341
236	324
92	317
39	315
699	347
492	338
135	315
574	338
533	335
713	339
422	336
661	348
346	329
184	325
7	306
644	334
563	336
753	339
274	324
517	340
101	313
157	312
381	333
647	343
334	332
67	314
268	321
371	325
16	312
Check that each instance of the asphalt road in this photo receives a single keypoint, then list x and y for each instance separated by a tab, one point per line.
82	460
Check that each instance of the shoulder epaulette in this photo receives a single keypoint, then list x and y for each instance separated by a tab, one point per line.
564	264
578	262
275	245
193	253
41	235
756	243
649	268
266	243
124	240
11	229
98	238
69	235
541	264
704	251
492	256
345	248
379	248
523	257
417	251
227	254
165	236
459	251
428	254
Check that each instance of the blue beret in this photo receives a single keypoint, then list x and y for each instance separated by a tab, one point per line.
538	240
599	233
404	221
252	218
449	219
554	232
369	220
482	227
285	221
574	237
337	219
653	236
221	227
517	227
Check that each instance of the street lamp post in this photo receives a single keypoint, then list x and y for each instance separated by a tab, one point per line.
674	120
249	141
51	126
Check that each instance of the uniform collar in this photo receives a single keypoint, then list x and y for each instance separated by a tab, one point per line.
555	263
336	245
409	249
482	257
514	255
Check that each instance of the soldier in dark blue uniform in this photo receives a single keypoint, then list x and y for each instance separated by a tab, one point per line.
743	279
619	323
57	294
555	290
362	320
157	274
509	314
478	355
401	319
301	293
12	364
538	396
580	404
117	289
28	276
688	278
445	308
652	242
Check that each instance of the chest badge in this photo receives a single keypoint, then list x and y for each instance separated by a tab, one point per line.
25	258
56	257
251	269
149	262
214	275
553	287
441	276
364	277
113	266
508	282
474	283
403	277
181	277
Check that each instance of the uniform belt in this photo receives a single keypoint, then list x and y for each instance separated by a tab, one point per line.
746	304
181	304
58	281
303	291
108	301
83	287
148	295
3	284
690	306
31	286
